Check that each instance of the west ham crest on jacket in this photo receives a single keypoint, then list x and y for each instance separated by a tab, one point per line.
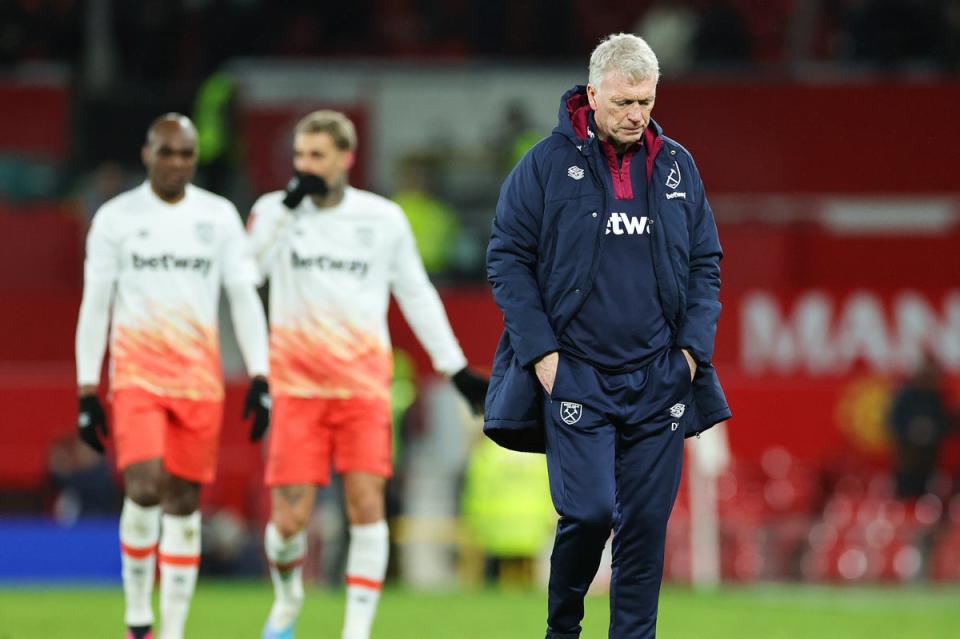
673	180
571	412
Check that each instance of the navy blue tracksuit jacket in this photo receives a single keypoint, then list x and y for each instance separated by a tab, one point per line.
622	399
544	252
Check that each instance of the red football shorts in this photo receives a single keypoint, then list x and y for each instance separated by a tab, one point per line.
307	433
185	433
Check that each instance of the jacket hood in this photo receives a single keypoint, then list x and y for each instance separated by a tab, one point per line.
575	122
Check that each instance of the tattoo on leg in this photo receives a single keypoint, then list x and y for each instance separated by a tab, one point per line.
292	494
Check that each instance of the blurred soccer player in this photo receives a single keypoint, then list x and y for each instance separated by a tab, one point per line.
157	257
334	254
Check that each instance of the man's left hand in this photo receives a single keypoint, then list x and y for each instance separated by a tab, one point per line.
257	404
692	363
92	421
473	387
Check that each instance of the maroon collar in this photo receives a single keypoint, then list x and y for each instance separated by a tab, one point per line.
578	108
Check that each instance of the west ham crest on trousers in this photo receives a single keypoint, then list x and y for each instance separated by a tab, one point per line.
570	412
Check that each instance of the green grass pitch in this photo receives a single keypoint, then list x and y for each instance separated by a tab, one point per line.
235	610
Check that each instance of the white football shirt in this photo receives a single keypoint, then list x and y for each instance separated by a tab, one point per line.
331	273
168	263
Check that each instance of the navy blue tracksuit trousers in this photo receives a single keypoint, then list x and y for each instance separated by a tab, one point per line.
614	455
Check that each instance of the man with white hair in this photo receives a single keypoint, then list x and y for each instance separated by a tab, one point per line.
604	258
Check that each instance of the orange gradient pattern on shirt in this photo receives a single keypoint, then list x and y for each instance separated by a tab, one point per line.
328	358
169	354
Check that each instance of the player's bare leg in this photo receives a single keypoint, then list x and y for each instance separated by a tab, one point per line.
139	535
369	550
285	541
179	552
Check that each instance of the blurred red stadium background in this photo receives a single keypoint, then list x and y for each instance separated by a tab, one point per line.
822	315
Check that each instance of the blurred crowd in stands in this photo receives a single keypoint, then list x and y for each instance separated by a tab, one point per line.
184	40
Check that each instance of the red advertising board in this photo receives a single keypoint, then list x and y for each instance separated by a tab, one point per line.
818	328
35	118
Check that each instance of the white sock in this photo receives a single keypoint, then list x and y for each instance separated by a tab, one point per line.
366	568
286	571
179	564
139	532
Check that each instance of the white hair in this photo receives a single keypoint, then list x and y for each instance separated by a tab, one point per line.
626	53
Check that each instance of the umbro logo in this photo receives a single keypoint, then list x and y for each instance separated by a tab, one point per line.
205	232
677	410
365	236
575	172
571	412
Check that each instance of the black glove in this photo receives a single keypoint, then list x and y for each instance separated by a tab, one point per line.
257	403
92	422
302	185
473	387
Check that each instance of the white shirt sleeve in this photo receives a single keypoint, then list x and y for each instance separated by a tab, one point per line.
101	268
267	230
238	266
240	278
250	326
421	305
